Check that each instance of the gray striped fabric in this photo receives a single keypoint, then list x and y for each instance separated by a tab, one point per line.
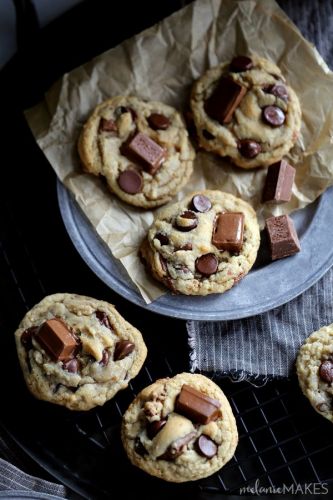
265	346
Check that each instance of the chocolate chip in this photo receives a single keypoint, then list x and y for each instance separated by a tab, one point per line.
71	366
206	446
241	63
26	337
326	371
201	203
103	319
139	448
154	428
130	181
207	135
186	221
123	348
206	264
158	122
105	357
162	238
107	125
249	148
187	246
274	116
278	90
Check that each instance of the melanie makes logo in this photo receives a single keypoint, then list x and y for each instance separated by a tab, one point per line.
292	489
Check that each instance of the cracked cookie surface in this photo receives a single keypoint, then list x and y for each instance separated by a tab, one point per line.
182	248
266	121
315	370
180	429
108	351
148	171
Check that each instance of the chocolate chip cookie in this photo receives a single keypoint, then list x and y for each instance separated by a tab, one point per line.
141	149
246	111
315	370
204	244
77	351
180	429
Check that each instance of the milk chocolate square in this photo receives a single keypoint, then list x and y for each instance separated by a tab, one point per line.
283	239
228	231
56	339
224	100
196	406
279	182
145	151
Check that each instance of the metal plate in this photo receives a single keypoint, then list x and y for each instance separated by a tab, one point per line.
268	285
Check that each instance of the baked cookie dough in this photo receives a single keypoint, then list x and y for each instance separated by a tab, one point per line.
246	111
141	148
315	370
77	351
180	429
204	244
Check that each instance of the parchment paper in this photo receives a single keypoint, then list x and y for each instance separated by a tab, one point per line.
161	63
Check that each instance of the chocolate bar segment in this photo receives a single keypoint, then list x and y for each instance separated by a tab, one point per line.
56	340
282	236
224	100
279	182
228	231
196	406
142	149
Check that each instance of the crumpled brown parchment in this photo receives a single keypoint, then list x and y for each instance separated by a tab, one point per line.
161	63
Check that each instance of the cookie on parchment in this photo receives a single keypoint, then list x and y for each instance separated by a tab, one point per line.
246	111
77	351
315	370
180	429
141	148
204	244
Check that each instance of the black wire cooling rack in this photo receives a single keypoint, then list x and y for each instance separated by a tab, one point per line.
283	442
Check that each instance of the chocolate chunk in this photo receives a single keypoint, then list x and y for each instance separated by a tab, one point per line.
71	365
105	357
154	428
187	246
158	122
326	371
201	203
162	238
249	148
107	125
278	90
123	348
206	264
206	446
228	231
26	337
207	135
130	181
273	116
186	221
56	339
282	237
196	406
103	319
139	448
177	447
279	182
224	100
241	63
145	151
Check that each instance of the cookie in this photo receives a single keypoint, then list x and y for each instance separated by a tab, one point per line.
204	244
180	429
77	351
246	111
141	148
315	370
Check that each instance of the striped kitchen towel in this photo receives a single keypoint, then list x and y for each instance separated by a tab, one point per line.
265	346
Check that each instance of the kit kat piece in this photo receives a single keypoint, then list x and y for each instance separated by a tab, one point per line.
282	237
228	231
56	339
224	100
279	182
196	406
145	151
